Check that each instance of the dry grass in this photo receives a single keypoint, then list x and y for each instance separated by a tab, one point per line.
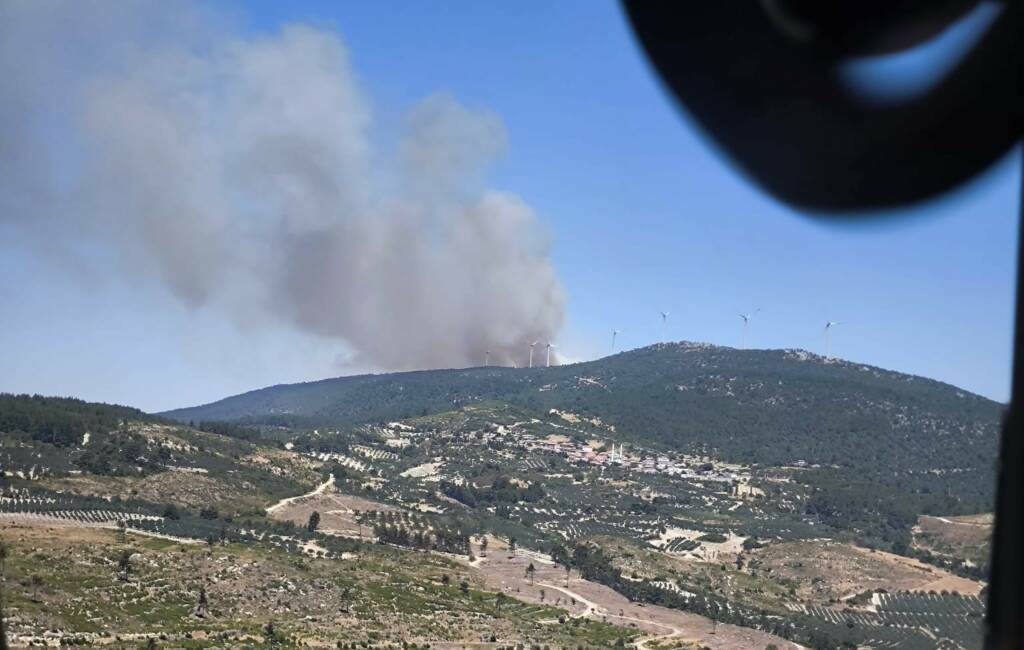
337	512
384	595
502	572
825	570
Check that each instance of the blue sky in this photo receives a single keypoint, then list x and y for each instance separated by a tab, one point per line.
643	216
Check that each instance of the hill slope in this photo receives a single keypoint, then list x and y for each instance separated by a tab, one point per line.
766	406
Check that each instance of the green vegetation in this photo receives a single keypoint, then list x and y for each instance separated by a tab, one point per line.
730	455
246	595
904	620
889	444
231	429
502	490
61	421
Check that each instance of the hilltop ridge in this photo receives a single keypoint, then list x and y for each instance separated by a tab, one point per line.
314	398
758	488
767	407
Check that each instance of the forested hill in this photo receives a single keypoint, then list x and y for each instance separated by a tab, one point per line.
62	421
767	406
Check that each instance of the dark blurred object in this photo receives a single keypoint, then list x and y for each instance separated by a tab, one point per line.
762	78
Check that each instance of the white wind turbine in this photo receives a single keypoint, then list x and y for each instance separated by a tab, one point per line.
531	351
549	346
828	336
664	322
487	358
614	334
746	321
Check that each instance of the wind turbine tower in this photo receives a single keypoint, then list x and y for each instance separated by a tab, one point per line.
531	352
828	336
487	358
549	346
664	322
746	321
614	334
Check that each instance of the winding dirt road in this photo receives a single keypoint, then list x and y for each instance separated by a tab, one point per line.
320	489
583	598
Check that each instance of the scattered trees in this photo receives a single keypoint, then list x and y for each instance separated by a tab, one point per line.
124	565
35	582
272	637
208	512
445	540
201	603
502	490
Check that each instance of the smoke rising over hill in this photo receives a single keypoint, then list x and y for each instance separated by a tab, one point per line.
240	174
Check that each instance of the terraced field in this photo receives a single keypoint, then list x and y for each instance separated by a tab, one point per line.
646	546
69	588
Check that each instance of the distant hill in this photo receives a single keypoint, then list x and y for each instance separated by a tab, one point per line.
87	447
774	407
62	421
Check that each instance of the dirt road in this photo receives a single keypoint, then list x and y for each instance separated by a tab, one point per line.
320	489
579	597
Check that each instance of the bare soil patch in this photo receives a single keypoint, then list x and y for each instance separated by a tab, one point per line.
825	569
501	571
970	530
337	511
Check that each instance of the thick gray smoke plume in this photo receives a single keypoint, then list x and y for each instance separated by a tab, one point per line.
241	174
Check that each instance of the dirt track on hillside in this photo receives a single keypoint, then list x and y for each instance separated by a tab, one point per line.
337	511
501	572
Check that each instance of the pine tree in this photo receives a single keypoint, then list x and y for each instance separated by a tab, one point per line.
202	603
124	565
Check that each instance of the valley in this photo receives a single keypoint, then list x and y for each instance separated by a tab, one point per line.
625	502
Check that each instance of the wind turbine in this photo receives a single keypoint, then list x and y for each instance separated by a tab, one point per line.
746	321
664	321
487	358
614	334
829	324
531	352
549	346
